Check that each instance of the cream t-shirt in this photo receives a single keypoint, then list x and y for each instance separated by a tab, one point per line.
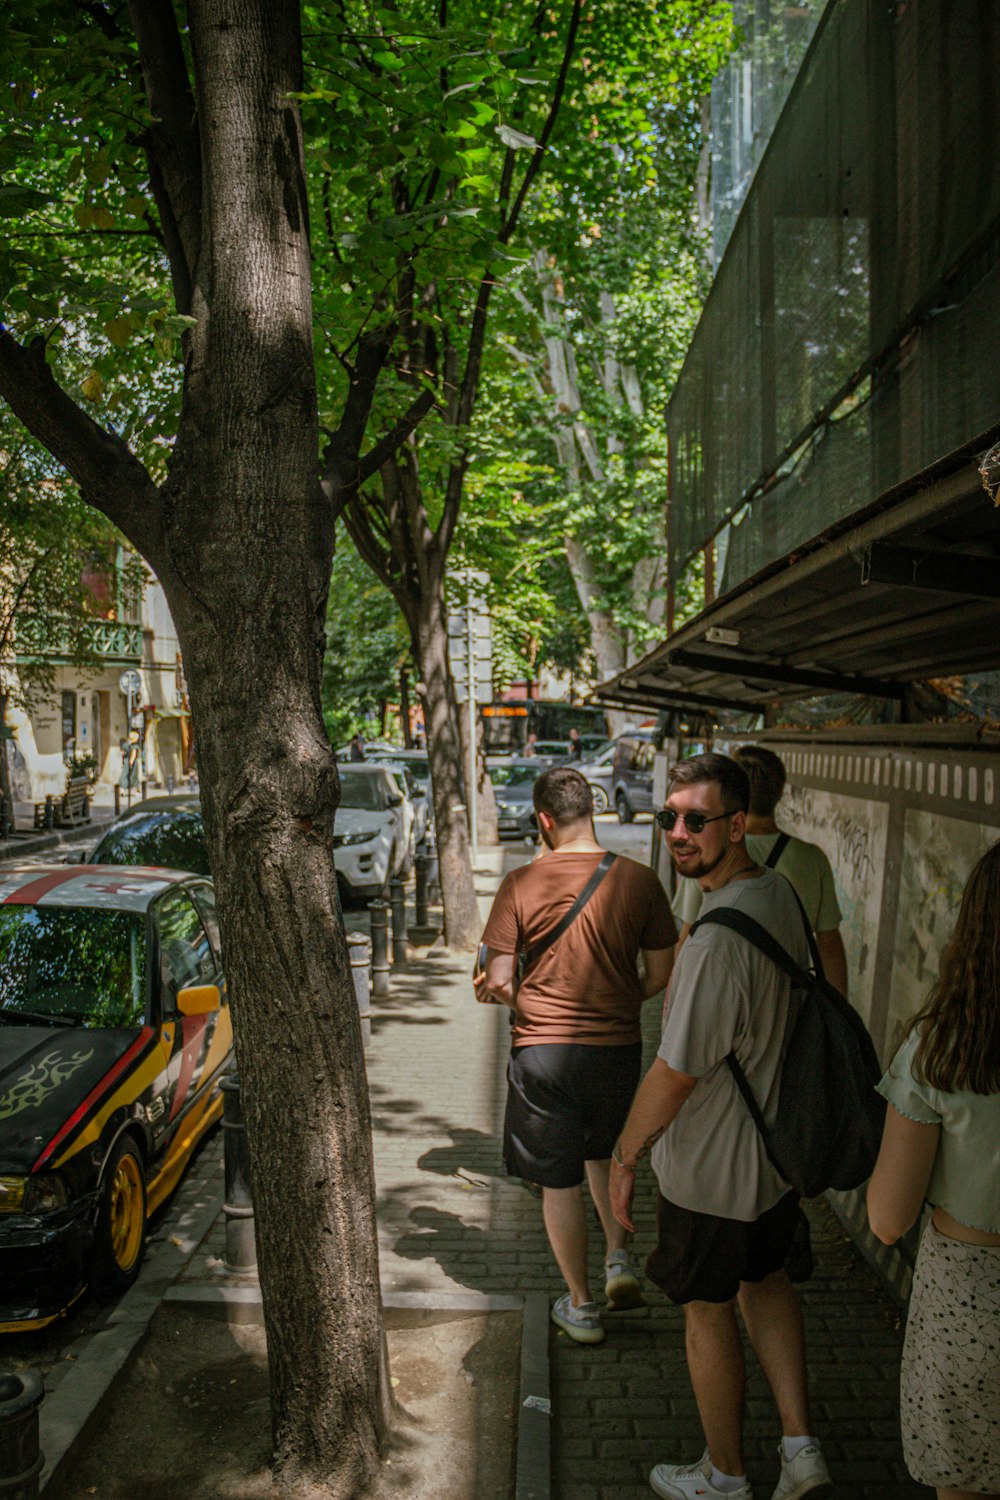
727	996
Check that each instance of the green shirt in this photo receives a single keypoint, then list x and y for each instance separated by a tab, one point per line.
965	1178
804	865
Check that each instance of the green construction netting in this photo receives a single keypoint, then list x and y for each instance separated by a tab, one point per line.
852	333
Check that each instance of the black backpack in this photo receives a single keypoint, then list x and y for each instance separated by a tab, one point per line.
829	1122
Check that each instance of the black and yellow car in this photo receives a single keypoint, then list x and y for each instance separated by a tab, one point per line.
114	1036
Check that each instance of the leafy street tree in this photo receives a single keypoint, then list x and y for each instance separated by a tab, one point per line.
190	188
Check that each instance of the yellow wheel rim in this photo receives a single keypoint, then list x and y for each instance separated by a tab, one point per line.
126	1211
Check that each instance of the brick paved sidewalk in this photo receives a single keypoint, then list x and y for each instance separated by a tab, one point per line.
450	1222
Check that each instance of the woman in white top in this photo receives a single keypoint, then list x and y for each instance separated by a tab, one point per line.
942	1145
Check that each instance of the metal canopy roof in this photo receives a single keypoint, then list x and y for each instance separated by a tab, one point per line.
906	590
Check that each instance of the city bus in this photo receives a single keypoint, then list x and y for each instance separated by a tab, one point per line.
507	723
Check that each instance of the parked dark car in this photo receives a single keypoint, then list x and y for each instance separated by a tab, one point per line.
632	775
513	784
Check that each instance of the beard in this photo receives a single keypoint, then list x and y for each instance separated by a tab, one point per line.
703	867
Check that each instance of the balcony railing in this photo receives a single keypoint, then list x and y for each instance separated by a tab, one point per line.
118	640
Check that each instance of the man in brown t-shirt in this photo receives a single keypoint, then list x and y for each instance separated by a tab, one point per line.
576	1041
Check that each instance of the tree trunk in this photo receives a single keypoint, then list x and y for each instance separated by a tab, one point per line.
246	567
269	791
462	922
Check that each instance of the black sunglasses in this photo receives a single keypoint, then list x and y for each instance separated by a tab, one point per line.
694	822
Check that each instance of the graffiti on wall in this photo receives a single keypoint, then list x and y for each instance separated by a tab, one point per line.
852	832
938	856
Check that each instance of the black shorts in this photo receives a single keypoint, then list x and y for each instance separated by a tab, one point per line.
566	1105
702	1258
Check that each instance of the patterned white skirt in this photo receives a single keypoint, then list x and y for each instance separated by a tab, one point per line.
950	1382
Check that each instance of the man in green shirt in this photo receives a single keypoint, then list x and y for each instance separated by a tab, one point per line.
803	864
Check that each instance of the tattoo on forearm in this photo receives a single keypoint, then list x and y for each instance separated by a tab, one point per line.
647	1144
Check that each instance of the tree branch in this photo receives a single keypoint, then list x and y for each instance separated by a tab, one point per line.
386	446
365	540
341	459
108	473
172	141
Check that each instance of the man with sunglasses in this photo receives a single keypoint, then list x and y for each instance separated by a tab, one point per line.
802	863
725	1217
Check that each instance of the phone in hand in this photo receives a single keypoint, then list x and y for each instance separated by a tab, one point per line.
479	977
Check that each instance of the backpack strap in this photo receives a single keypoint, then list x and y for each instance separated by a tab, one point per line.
780	845
747	927
531	955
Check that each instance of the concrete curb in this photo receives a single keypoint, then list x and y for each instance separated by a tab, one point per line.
77	1399
533	1468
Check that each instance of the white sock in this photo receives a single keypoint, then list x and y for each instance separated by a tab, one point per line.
726	1484
792	1447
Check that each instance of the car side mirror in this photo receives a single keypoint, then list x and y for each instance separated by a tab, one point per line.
395	799
199	1000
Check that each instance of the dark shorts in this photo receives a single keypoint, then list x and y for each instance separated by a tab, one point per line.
701	1258
566	1105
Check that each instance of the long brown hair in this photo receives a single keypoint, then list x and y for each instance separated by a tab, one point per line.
959	1045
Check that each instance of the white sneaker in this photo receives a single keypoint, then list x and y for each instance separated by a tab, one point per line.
805	1474
621	1282
582	1323
691	1481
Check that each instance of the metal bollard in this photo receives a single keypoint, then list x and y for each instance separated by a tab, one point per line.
50	811
118	798
20	1457
380	947
241	1247
397	900
433	874
360	949
6	817
420	865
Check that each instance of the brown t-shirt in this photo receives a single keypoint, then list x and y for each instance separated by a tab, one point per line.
586	987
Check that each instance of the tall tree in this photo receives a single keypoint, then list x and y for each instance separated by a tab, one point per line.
193	188
595	84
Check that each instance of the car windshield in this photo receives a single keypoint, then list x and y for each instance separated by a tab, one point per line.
363	792
515	775
417	766
72	964
174	839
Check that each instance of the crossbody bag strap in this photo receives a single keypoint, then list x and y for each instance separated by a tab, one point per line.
780	845
534	953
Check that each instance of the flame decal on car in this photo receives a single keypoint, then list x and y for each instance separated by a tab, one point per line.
41	1079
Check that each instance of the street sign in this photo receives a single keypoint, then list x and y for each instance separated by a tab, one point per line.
130	683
